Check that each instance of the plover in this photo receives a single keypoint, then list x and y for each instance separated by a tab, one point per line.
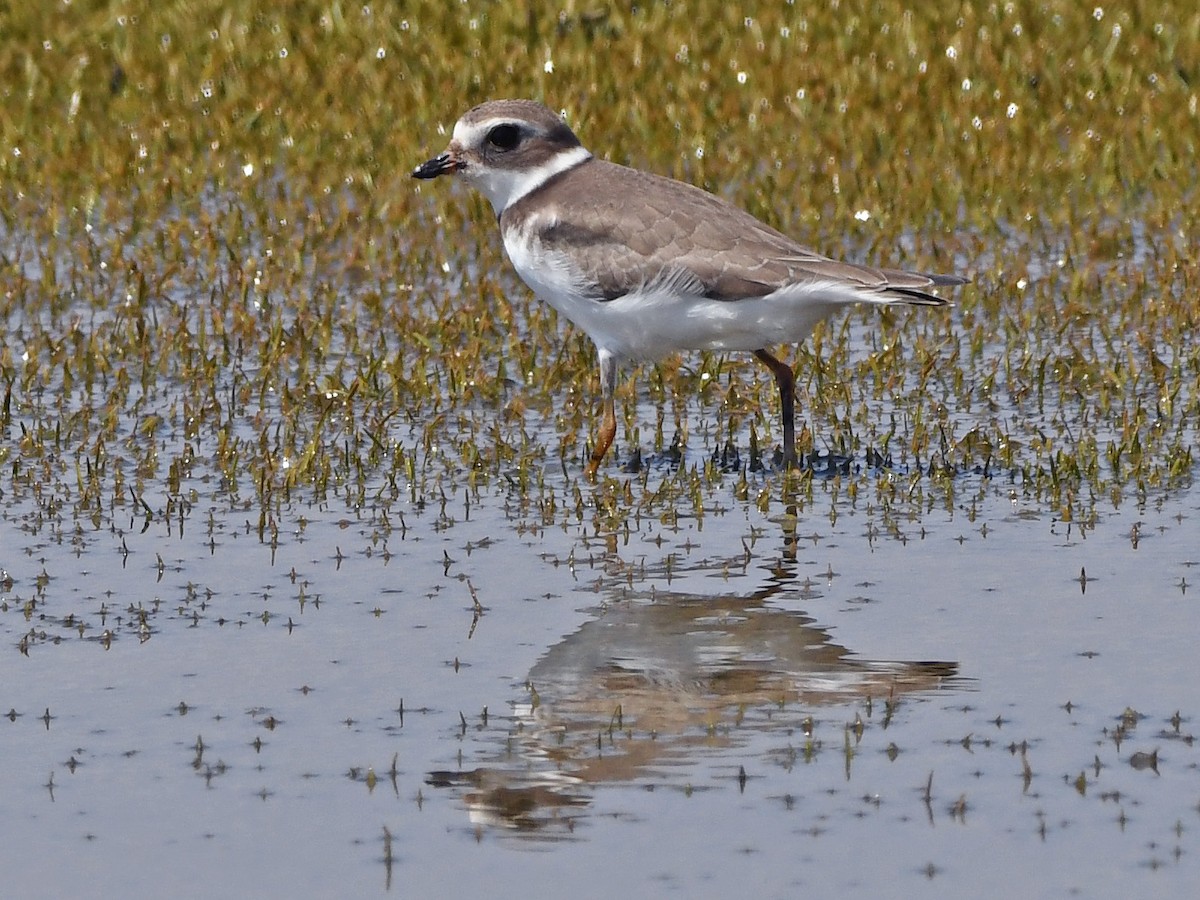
646	265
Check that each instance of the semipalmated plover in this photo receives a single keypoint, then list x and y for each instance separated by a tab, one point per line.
646	265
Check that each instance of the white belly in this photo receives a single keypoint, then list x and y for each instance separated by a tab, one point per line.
654	323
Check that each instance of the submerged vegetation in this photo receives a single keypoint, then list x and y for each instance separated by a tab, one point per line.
281	427
218	285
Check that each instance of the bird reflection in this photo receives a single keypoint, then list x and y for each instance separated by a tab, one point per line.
655	679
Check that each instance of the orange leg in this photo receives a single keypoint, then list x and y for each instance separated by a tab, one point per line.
604	439
608	424
786	379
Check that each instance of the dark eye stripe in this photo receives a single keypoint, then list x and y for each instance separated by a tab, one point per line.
504	137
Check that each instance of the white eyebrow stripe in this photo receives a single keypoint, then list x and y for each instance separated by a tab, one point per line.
463	132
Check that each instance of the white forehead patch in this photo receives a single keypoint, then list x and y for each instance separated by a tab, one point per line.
471	135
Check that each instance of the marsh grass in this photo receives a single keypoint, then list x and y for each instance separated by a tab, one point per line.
220	286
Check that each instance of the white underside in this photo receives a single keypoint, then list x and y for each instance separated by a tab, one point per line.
654	322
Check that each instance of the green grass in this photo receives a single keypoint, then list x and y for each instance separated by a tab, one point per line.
218	281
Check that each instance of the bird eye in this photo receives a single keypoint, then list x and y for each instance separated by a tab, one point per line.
504	137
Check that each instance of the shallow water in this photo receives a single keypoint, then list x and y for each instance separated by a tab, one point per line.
303	593
810	698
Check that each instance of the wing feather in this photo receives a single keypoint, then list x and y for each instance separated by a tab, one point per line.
678	238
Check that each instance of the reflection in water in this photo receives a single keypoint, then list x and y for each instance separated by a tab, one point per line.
653	682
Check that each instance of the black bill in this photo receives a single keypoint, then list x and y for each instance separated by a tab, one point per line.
439	165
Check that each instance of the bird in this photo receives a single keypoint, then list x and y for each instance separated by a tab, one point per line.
648	266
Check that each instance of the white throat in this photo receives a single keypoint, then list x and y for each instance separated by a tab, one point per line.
504	187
